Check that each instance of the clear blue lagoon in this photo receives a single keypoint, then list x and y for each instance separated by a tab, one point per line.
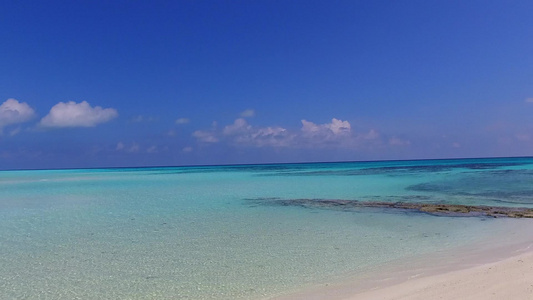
220	233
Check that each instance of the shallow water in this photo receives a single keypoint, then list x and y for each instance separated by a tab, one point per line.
213	233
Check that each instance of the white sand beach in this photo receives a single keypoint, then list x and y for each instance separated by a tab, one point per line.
511	278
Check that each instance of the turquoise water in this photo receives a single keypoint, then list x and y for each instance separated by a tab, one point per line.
218	233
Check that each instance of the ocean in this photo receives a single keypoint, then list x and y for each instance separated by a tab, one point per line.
237	232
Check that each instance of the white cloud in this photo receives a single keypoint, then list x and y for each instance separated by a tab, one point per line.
529	100
187	149
205	136
240	132
14	112
182	121
335	134
72	114
248	113
239	126
335	130
272	136
310	127
338	126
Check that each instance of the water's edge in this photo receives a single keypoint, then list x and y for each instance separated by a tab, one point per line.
515	239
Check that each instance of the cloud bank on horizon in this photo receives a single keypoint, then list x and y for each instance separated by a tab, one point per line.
337	134
240	133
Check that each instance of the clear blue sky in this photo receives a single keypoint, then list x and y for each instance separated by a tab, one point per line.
136	83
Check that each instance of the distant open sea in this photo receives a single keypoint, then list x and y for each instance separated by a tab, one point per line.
220	232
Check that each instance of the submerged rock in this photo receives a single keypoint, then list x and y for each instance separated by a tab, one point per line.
434	209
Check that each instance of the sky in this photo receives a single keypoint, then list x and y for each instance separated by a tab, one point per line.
169	83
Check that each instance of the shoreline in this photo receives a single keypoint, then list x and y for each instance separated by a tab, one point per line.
506	279
495	268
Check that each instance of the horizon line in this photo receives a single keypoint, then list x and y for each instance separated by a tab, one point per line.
262	164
